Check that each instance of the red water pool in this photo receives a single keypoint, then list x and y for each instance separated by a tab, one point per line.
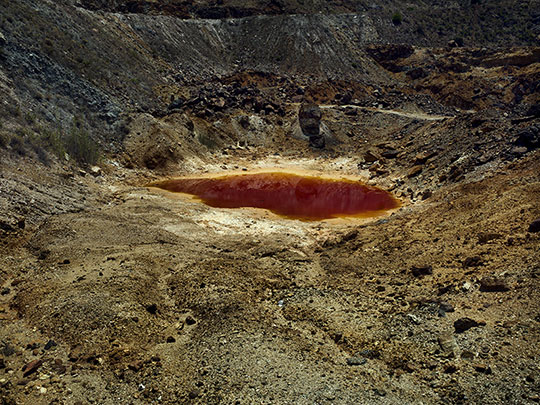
291	195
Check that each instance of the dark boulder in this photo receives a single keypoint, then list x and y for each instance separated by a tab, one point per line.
529	137
534	226
309	117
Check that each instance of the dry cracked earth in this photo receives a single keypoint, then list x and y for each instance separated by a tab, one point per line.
113	292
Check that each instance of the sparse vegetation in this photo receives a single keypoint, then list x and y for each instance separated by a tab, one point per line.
80	146
3	141
397	18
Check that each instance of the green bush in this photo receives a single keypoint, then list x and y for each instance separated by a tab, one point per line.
79	146
397	18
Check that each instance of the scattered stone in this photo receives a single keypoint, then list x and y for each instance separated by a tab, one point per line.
43	254
5	291
529	137
75	353
171	339
414	171
421	271
466	286
2	363
414	319
7	349
58	367
190	321
371	156
448	345
31	367
493	284
244	122
136	365
95	171
534	226
152	308
390	154
317	141
23	381
445	307
467	355
42	390
50	344
488	236
450	369
356	361
463	324
423	157
483	368
426	194
474	261
194	394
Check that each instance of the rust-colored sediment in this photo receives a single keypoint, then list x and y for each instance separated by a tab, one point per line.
287	194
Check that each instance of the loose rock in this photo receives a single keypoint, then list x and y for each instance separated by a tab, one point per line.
463	324
492	284
421	271
534	226
31	367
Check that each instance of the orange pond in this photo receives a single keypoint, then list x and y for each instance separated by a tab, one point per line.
290	195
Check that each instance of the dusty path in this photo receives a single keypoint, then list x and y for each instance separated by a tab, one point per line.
419	116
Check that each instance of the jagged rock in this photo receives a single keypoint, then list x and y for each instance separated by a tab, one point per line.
529	137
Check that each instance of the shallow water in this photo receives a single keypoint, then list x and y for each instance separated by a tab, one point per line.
286	194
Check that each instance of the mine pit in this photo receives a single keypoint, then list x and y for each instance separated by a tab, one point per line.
290	195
